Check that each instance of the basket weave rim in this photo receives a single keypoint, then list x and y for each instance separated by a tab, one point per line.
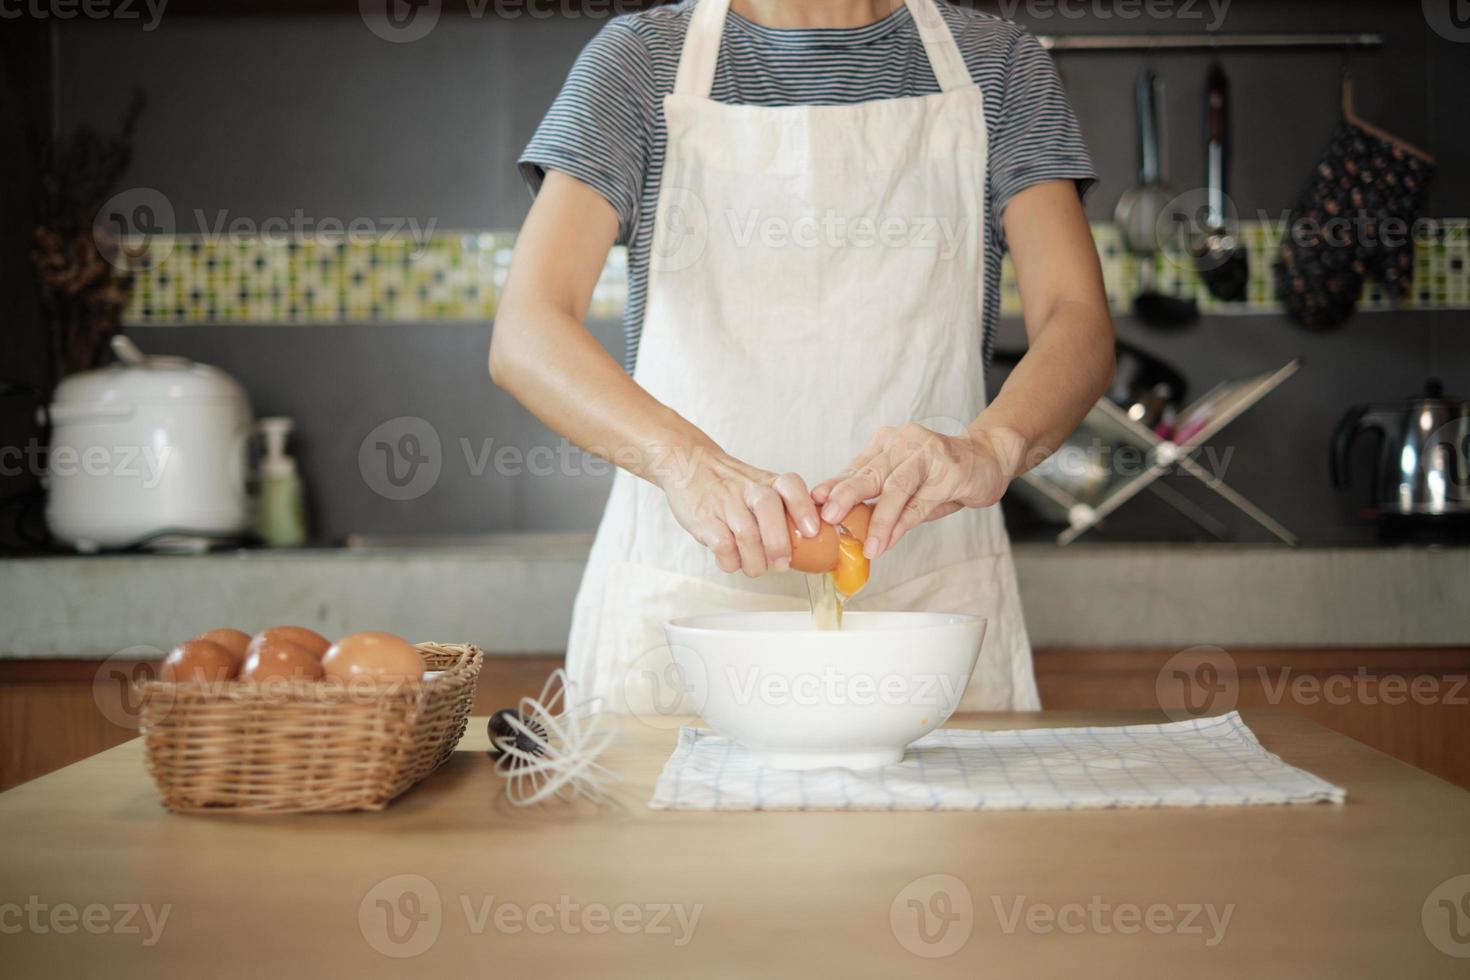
465	666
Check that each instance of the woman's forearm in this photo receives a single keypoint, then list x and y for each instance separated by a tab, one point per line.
1066	370
1069	363
553	366
543	354
917	474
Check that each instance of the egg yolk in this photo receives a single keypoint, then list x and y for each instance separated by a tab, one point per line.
851	573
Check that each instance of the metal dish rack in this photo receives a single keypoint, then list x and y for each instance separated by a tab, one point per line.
1110	429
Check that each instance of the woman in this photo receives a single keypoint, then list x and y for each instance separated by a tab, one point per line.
815	196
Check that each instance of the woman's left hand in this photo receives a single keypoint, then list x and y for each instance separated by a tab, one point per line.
919	475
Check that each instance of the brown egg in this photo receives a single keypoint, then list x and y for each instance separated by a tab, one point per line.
819	554
377	656
235	641
309	640
813	555
199	662
856	521
272	659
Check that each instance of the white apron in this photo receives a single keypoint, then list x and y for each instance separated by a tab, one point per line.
817	272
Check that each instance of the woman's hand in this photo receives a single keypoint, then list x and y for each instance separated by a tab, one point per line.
739	511
920	475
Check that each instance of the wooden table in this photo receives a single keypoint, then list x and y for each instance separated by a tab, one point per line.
494	892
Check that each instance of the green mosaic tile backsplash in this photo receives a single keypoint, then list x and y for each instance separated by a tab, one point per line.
458	276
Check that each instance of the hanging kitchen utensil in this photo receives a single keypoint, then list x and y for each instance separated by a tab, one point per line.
1218	254
1139	211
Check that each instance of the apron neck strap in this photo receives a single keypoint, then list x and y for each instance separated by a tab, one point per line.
707	25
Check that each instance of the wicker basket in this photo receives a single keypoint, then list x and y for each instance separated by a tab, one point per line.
304	746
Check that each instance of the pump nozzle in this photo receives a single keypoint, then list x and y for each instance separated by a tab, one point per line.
273	432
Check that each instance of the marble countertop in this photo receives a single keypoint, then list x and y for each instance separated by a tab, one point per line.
512	594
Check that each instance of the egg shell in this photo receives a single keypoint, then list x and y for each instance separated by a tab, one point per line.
309	640
857	520
235	641
198	662
379	656
819	554
813	555
273	659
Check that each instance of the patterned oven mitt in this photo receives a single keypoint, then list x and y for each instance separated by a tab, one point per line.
1364	190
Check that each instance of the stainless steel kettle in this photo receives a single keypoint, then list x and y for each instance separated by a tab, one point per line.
1424	456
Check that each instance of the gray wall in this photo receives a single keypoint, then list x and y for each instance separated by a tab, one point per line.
263	116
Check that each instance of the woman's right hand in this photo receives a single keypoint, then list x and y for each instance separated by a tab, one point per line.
542	353
739	511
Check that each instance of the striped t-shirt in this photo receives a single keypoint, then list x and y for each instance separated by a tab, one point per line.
606	127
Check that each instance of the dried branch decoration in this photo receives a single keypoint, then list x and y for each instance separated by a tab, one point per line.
83	294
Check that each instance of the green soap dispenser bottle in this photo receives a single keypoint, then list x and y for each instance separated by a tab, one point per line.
280	518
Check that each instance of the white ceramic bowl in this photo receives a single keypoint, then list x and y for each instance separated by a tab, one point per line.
803	698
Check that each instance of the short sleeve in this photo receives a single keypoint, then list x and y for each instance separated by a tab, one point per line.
600	127
1034	136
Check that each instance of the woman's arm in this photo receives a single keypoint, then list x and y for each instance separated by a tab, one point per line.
541	352
920	475
1069	362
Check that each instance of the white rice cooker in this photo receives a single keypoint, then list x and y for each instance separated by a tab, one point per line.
153	451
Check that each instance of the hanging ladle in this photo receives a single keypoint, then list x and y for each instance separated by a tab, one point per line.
1221	261
1139	211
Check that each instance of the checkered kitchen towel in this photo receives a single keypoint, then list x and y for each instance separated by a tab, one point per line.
1203	762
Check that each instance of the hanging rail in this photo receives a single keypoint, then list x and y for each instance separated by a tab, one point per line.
1203	42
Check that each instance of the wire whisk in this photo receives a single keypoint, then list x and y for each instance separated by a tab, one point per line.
548	746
